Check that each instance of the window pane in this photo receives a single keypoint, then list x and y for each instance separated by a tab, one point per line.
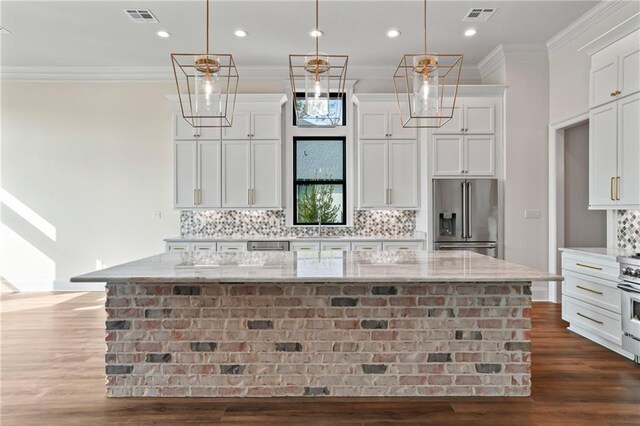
314	116
328	199
319	159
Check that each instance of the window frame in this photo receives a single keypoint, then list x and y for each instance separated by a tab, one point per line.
332	95
342	182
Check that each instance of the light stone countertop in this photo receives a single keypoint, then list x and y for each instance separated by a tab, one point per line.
609	253
321	266
416	237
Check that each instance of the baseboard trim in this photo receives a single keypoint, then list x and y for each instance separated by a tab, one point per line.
63	285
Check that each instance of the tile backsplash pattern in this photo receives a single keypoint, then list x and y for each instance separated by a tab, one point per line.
629	229
272	223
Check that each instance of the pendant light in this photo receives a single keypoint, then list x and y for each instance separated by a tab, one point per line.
426	85
322	77
207	85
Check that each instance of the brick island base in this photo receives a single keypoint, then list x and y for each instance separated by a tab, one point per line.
306	339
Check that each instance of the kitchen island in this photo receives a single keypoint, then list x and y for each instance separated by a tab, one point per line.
403	323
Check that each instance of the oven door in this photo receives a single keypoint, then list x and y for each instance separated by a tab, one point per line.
630	311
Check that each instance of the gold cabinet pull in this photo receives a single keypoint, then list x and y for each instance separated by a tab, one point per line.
589	290
612	94
618	188
597	268
589	318
611	190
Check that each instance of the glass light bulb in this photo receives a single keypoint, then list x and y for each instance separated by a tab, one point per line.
317	88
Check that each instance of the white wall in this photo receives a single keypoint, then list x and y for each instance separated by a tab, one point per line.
84	166
582	227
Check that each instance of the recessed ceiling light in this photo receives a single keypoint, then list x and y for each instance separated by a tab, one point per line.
163	34
470	32
316	33
393	33
240	33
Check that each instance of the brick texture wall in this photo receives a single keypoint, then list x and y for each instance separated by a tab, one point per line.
236	340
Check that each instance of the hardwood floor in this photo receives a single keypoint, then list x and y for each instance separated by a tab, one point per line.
53	365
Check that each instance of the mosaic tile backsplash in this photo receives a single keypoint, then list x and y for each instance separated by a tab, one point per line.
629	229
272	223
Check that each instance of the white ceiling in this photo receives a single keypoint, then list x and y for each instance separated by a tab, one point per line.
100	34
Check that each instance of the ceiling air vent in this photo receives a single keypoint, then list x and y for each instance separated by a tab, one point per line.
141	16
479	15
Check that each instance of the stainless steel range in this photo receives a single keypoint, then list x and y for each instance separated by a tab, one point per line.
630	298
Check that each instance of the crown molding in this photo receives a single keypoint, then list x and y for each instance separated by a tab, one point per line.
492	62
590	19
619	31
463	90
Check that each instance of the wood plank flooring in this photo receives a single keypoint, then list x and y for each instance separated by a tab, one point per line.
52	373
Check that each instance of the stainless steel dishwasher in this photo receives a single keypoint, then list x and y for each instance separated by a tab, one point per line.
268	246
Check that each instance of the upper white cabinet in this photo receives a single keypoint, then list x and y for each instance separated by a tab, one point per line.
197	174
251	173
182	130
471	116
260	123
615	70
381	120
614	125
388	173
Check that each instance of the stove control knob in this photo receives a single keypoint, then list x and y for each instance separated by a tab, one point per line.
628	271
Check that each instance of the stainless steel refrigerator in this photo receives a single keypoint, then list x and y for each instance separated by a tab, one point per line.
465	215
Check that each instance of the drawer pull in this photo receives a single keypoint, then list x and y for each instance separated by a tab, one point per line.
597	268
178	248
589	290
232	248
336	248
589	318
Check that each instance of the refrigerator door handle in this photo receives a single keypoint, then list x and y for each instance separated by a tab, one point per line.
464	209
468	212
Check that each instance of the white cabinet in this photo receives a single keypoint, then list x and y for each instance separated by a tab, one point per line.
251	173
615	70
197	173
468	155
388	173
232	246
178	246
203	246
471	116
182	130
255	124
402	245
304	246
366	246
335	246
381	120
614	154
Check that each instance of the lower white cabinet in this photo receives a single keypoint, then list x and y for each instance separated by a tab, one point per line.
310	245
232	246
304	246
203	246
366	246
178	246
591	299
399	245
335	246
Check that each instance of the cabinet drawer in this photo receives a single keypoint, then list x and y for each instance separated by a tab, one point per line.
178	246
597	320
595	291
240	246
366	246
300	246
412	245
203	246
591	265
335	246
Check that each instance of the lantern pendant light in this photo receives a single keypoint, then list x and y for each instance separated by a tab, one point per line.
426	85
323	77
207	85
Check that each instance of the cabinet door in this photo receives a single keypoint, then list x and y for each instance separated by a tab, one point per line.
479	153
479	117
240	129
236	168
396	131
373	159
305	246
402	245
447	155
182	129
374	124
629	151
185	182
178	246
603	155
403	173
604	77
335	246
366	246
265	125
455	125
629	64
209	173
265	165
232	246
203	246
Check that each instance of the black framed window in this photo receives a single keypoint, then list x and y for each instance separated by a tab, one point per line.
337	105
319	185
